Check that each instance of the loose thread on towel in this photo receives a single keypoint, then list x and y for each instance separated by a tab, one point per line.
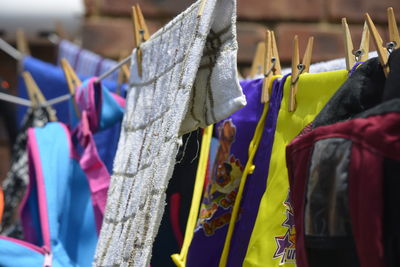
184	149
197	148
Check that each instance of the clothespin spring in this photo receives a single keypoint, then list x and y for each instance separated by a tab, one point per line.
273	61
391	46
358	54
301	68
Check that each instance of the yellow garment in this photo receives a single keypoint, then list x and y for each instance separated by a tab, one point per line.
314	90
249	168
180	259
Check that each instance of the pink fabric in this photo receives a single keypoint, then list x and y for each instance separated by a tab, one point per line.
89	99
175	201
120	100
94	168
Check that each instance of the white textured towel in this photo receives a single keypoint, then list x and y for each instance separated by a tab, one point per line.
189	81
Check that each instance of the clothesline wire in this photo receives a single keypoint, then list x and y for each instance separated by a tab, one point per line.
110	71
15	99
10	50
24	102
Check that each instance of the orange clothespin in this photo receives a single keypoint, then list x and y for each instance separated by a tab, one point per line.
394	39
272	65
140	33
361	54
36	96
257	66
299	68
73	82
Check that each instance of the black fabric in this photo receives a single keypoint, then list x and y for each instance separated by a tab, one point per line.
340	256
182	183
362	90
391	212
326	207
392	86
8	112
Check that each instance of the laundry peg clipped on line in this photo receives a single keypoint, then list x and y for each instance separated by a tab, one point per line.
22	43
140	33
394	39
272	65
393	30
73	82
36	95
351	56
299	68
123	75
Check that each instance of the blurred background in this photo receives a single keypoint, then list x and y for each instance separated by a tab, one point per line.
105	27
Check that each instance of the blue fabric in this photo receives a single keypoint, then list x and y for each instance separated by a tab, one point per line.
71	219
16	255
52	83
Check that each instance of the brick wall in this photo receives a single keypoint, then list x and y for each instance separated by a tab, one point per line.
108	30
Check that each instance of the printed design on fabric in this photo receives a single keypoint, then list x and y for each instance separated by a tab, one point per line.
222	185
286	244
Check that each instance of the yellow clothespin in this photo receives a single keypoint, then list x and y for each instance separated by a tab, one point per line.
140	33
22	43
394	39
299	68
361	54
73	82
257	66
272	65
36	96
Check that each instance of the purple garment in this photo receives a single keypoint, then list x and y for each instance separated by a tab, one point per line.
257	181
234	136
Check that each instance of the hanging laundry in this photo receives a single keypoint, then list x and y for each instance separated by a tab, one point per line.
234	136
85	62
357	134
169	238
237	142
189	80
63	209
272	238
16	181
51	80
236	246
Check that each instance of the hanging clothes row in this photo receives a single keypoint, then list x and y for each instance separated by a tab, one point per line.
295	168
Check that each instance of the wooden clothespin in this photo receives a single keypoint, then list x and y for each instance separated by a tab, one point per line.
394	39
140	33
272	65
73	82
361	54
201	8
60	31
36	96
257	66
299	68
123	75
22	43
